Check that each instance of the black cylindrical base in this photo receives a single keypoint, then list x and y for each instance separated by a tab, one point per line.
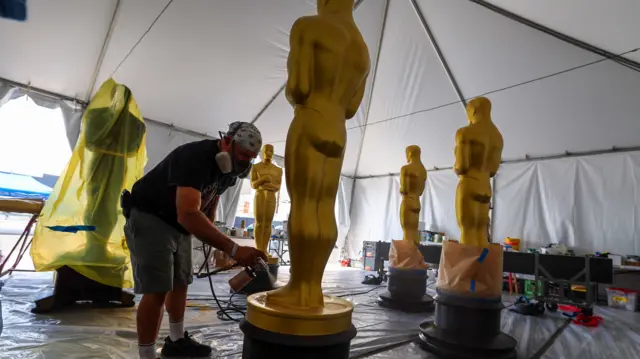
406	291
273	269
420	305
262	344
466	328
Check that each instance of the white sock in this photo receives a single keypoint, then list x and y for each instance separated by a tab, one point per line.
147	351
176	331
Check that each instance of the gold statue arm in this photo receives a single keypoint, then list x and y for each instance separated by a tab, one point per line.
275	183
255	179
462	153
403	180
299	65
495	158
352	109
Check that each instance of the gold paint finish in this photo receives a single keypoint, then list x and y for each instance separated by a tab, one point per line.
327	66
266	179
478	155
413	177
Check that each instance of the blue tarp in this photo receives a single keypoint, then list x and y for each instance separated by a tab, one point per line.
21	186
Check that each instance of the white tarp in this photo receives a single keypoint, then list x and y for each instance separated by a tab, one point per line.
589	203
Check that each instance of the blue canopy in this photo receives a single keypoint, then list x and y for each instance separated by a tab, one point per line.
21	186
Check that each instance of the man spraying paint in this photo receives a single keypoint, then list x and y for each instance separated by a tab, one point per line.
175	200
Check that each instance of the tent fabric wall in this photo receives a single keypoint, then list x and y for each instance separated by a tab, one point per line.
589	203
343	219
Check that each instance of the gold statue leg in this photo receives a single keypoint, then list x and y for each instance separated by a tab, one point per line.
409	219
312	174
264	210
472	211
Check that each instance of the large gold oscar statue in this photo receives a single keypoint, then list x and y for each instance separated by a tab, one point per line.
266	179
470	273
413	177
478	155
327	67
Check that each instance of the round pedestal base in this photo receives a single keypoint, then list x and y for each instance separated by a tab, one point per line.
272	312
419	305
262	344
406	291
467	328
454	346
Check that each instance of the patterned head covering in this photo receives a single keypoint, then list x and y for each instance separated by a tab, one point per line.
246	135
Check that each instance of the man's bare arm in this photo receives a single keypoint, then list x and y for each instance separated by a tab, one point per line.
214	209
194	221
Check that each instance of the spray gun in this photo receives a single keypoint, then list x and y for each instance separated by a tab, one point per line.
256	278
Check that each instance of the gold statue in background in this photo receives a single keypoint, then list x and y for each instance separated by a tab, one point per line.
478	155
328	65
413	177
266	179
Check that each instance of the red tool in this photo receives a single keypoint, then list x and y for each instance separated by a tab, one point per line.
588	321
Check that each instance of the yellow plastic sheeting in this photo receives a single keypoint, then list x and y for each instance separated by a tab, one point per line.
109	156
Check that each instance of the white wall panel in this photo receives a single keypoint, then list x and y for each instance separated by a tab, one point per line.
589	203
161	140
438	203
374	216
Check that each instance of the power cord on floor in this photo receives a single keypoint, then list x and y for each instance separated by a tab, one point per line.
224	313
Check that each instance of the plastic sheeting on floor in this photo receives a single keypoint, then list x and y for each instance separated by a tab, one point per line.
110	333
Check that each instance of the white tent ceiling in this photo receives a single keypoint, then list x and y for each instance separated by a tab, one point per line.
204	64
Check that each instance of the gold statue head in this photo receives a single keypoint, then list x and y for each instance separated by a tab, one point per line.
267	153
413	153
335	6
478	110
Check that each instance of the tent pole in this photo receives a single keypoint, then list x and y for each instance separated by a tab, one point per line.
49	94
103	52
366	117
560	36
275	96
436	48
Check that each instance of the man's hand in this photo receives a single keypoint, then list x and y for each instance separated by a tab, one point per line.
248	256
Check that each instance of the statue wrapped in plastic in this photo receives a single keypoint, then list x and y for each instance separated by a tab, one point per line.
327	69
81	225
